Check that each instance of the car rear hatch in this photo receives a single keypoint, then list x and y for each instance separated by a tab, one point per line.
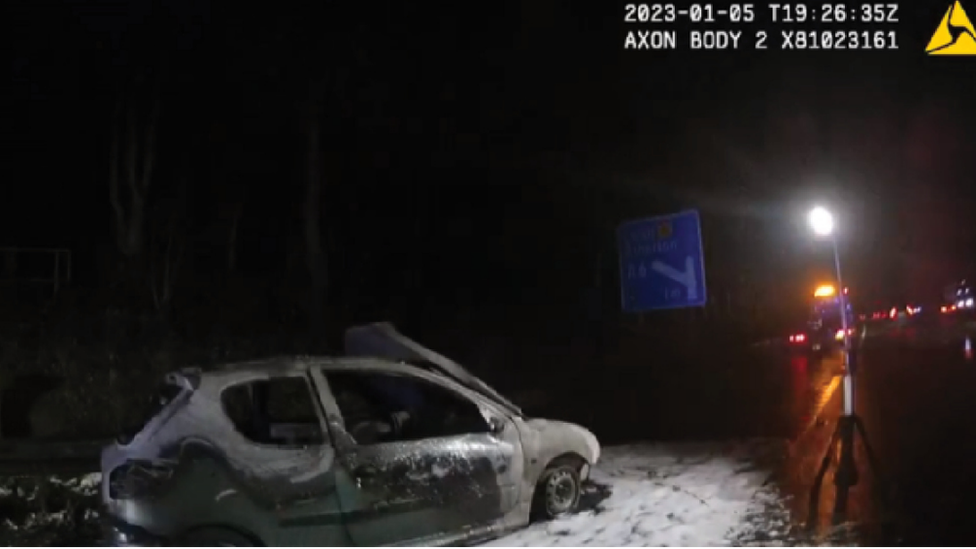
136	443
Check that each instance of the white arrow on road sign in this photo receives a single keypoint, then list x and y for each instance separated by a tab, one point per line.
686	278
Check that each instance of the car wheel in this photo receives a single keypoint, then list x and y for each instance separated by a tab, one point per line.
558	491
214	537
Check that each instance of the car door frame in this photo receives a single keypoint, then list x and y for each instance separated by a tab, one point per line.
316	515
508	475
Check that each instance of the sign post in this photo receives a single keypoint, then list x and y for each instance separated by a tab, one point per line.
661	263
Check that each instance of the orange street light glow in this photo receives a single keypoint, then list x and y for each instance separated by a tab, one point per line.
824	291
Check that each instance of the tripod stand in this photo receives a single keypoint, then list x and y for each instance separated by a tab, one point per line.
849	425
843	440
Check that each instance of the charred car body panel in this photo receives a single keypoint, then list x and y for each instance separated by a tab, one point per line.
338	472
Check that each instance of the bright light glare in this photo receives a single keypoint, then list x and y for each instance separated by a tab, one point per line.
825	290
821	221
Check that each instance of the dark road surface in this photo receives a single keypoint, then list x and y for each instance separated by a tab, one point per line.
916	395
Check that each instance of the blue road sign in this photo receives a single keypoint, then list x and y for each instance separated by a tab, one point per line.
661	263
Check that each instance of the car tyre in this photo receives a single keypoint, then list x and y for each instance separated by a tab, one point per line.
215	537
558	491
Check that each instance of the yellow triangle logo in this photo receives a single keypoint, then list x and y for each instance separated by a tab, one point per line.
955	35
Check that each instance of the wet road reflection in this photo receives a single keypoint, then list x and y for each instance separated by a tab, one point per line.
827	510
800	384
916	396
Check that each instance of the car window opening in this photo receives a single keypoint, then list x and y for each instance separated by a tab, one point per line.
379	408
277	411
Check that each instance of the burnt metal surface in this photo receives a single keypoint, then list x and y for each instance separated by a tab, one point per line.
415	490
221	477
433	491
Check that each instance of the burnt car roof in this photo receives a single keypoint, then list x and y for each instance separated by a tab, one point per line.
294	365
377	346
278	365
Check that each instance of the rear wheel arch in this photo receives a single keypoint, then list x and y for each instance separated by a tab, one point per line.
218	535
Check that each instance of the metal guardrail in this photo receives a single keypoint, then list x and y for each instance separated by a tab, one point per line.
40	457
55	272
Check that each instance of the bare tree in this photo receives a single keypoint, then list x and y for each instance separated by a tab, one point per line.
229	171
164	264
132	159
233	194
321	113
304	66
233	212
315	258
167	245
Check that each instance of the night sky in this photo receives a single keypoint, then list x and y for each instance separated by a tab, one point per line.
479	157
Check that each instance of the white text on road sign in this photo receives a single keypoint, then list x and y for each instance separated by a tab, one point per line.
686	278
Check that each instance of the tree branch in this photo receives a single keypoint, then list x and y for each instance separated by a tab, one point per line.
113	175
131	148
167	259
149	154
152	274
235	223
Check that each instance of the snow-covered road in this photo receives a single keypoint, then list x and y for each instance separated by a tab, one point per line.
675	495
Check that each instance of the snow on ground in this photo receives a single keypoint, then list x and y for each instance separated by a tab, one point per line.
52	511
685	494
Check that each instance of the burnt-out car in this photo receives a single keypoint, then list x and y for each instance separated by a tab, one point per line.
391	444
